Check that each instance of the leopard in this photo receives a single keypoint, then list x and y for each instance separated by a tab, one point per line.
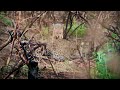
48	54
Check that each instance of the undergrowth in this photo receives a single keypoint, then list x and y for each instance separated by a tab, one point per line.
101	59
5	20
81	30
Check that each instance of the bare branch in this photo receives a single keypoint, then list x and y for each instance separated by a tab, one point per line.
10	39
31	23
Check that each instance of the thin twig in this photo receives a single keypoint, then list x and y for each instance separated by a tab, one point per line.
10	39
53	68
31	23
81	58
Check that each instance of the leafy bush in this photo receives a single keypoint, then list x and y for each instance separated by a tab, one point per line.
5	20
81	30
101	65
24	70
4	70
101	58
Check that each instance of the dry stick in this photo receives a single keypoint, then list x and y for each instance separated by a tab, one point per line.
91	50
93	39
116	31
15	37
112	30
81	58
113	38
89	68
83	18
7	42
70	17
43	44
53	68
8	60
65	30
98	19
31	23
15	69
19	66
71	22
25	19
12	47
76	39
78	49
49	58
109	35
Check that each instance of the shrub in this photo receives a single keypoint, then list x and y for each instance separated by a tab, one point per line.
101	58
5	20
81	30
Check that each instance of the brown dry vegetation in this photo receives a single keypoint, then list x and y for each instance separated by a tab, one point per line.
70	68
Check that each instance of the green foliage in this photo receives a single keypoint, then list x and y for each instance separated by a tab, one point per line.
81	30
101	58
6	69
113	46
114	35
24	70
5	20
115	42
101	66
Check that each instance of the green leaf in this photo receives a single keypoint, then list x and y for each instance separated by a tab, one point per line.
5	20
